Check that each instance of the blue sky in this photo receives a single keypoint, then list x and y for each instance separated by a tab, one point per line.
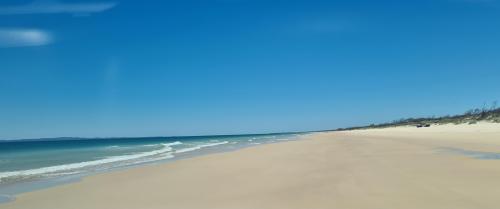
191	67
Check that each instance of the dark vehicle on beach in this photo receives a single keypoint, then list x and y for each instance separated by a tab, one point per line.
423	125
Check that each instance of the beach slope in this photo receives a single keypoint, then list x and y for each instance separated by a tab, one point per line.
447	166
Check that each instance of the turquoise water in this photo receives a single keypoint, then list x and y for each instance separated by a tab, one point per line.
24	161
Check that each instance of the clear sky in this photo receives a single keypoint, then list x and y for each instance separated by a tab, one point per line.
189	67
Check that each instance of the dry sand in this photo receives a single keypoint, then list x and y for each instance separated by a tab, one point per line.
399	168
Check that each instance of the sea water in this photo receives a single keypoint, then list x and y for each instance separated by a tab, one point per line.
30	164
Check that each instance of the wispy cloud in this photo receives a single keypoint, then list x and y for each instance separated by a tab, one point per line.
54	7
24	37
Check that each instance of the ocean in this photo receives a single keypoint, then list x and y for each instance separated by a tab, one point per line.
26	165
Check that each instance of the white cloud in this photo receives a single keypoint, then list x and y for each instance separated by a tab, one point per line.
24	37
53	7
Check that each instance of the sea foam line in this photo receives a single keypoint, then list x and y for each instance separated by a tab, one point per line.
199	147
51	169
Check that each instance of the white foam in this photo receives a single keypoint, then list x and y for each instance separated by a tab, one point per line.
114	147
63	173
173	143
189	149
52	169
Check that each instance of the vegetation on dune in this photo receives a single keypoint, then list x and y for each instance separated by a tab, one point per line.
491	114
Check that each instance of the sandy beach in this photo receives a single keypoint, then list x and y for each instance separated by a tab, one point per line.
446	166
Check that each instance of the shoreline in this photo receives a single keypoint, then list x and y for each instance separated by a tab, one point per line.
9	192
399	167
